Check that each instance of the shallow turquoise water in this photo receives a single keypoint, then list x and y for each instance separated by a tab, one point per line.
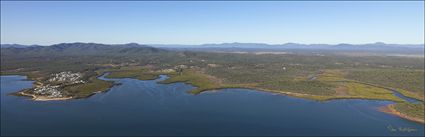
147	108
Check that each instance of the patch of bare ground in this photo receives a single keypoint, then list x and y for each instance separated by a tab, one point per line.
341	91
43	98
211	78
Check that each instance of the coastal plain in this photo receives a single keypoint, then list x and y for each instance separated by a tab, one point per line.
318	77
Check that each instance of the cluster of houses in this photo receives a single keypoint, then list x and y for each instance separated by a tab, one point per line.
49	91
67	77
62	78
167	70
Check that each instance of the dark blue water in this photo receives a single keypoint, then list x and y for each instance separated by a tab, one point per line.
147	108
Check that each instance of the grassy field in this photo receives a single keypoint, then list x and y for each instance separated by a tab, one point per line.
408	82
411	110
328	85
201	81
89	88
414	110
136	72
305	87
336	86
370	92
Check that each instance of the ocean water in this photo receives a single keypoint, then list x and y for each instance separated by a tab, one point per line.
139	107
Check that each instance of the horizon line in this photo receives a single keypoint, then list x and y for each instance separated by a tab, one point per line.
159	44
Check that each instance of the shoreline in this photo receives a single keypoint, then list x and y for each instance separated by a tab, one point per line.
46	98
292	94
389	109
42	98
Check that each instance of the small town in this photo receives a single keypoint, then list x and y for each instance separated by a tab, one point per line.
49	91
66	77
62	78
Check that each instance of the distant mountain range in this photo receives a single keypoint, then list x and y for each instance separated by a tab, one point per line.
79	49
134	48
376	45
16	46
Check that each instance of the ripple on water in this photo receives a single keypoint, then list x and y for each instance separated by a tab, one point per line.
147	108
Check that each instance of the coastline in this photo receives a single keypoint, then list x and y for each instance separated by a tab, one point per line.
46	98
197	90
292	94
387	109
391	110
42	98
287	93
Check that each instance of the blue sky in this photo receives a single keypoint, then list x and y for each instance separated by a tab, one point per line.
212	22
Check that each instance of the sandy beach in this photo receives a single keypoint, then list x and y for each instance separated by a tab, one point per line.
43	98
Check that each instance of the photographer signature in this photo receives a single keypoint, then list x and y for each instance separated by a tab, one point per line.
401	129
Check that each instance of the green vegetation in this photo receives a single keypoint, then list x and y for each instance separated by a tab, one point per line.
333	85
408	82
89	88
318	77
411	94
137	72
322	77
201	81
305	87
370	92
413	111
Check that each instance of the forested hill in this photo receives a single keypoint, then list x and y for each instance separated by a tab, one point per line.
80	49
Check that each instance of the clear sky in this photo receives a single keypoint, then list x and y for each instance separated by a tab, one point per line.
212	22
